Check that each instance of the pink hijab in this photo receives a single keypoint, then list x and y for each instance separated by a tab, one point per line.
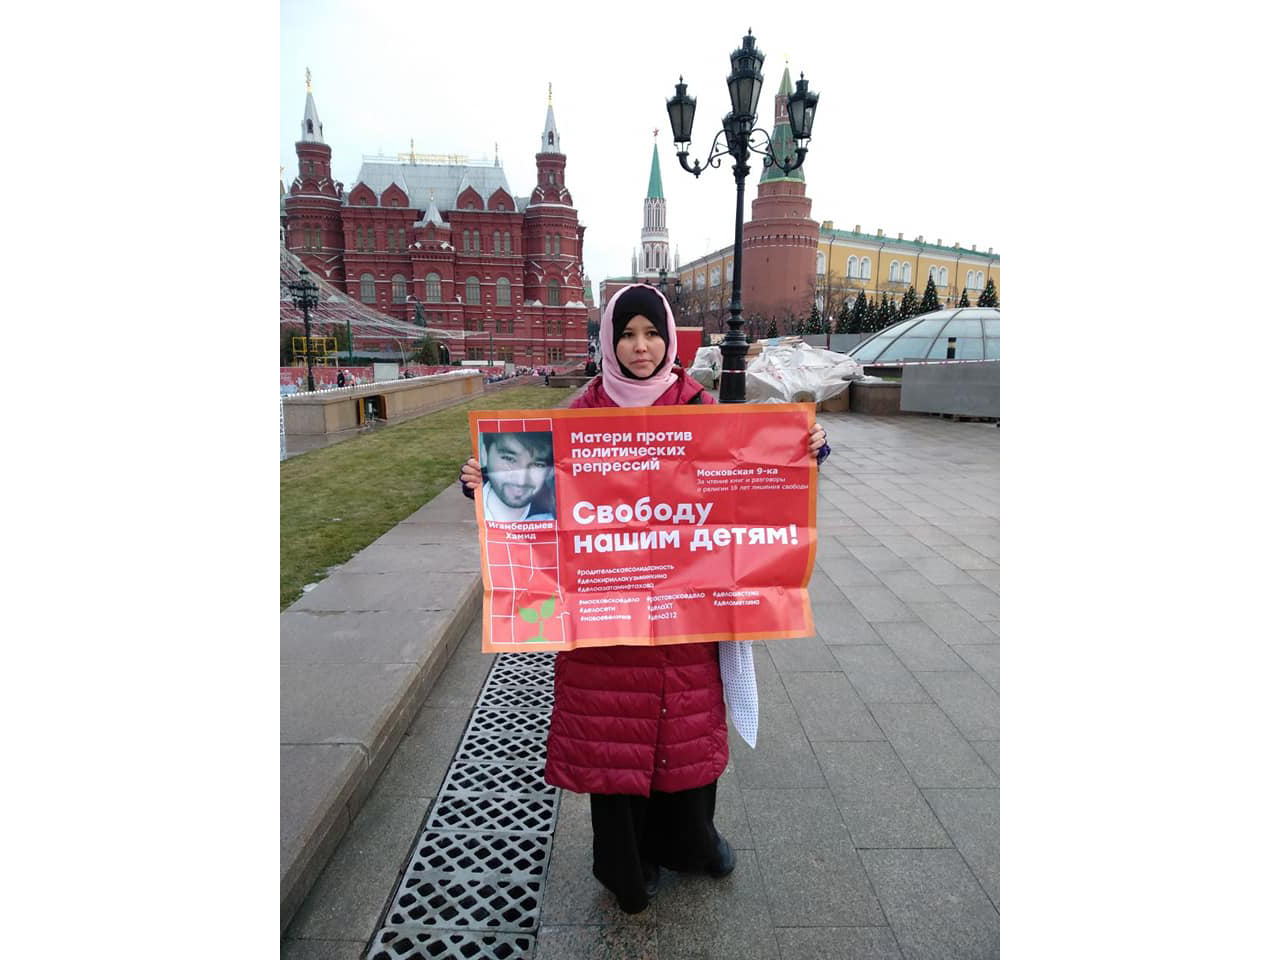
624	391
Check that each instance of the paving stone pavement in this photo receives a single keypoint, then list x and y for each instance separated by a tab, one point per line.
866	820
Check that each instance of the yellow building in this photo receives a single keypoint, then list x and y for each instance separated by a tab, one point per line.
850	260
846	262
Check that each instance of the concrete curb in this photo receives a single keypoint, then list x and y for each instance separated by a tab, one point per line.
359	654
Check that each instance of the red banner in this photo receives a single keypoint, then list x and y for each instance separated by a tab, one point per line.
645	525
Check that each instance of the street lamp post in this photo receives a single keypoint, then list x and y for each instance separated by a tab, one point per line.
305	295
738	128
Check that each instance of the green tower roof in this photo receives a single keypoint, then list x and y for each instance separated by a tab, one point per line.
655	177
784	144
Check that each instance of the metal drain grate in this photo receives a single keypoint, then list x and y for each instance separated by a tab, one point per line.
521	814
499	748
483	853
473	886
415	944
469	902
516	723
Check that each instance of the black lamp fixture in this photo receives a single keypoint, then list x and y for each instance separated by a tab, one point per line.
738	127
305	295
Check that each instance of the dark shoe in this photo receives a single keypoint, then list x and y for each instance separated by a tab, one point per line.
724	862
651	879
633	908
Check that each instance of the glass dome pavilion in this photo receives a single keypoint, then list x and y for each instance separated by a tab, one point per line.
960	333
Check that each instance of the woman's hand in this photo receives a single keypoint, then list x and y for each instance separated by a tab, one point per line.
817	437
470	474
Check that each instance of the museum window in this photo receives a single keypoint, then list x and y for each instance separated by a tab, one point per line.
933	274
728	274
366	288
700	281
473	291
475	353
505	354
506	242
715	276
851	267
547	244
906	273
866	268
433	288
555	243
311	167
400	242
504	292
942	276
497	242
555	355
894	272
978	284
399	294
553	293
822	264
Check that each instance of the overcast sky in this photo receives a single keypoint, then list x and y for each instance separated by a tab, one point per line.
904	137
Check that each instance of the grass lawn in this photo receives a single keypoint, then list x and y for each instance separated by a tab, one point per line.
337	500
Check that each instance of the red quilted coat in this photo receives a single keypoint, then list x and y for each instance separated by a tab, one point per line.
635	719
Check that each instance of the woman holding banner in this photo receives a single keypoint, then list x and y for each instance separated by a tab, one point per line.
642	729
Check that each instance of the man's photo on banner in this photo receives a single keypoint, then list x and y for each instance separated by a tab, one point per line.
519	476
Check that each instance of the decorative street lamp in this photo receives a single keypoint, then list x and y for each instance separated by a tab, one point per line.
738	128
305	295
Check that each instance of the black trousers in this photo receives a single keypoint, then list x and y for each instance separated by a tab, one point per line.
632	836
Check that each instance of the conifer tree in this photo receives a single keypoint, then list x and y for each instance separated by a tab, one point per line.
860	313
816	324
909	306
887	314
929	302
844	319
988	297
964	299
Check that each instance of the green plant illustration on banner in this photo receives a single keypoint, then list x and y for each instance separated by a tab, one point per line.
537	615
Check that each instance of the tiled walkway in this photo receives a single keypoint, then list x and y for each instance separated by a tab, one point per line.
866	820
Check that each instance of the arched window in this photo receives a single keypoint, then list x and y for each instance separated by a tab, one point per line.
366	288
506	242
473	291
310	127
728	273
978	277
866	268
556	244
822	263
433	288
700	281
906	272
553	293
715	276
398	292
547	244
851	267
497	242
933	274
894	272
968	280
942	276
401	243
504	292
